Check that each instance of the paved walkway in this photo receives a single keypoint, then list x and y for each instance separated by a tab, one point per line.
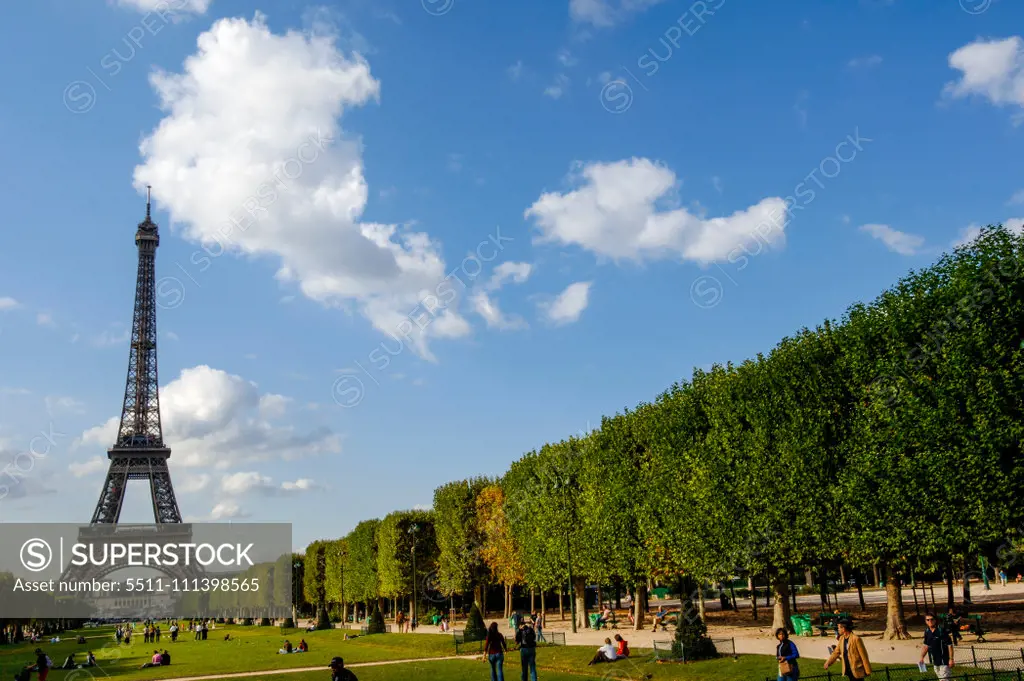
318	668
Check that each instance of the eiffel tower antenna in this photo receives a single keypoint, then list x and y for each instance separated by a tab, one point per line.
139	452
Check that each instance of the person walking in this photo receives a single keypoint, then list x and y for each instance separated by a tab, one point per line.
526	639
787	655
338	671
1002	576
494	649
938	645
850	649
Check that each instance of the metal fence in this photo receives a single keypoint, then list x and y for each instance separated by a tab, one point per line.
476	647
977	667
663	650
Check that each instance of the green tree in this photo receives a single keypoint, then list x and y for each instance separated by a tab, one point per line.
361	581
397	536
335	557
460	566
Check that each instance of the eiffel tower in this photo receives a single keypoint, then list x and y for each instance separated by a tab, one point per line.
139	452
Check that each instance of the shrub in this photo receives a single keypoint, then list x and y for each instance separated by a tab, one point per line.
475	630
375	623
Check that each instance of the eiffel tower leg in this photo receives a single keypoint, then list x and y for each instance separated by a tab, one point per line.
165	506
108	509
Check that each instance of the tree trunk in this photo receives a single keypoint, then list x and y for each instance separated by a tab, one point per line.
580	587
753	596
842	575
878	577
860	591
700	604
543	605
895	619
600	598
618	595
561	606
792	593
967	585
950	601
478	598
533	600
823	588
638	607
809	577
781	611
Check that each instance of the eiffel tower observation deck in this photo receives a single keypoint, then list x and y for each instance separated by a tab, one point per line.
139	452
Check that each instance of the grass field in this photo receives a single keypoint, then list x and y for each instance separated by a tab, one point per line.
254	649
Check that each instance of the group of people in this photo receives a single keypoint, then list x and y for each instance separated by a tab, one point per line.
495	648
610	652
936	648
158	660
288	648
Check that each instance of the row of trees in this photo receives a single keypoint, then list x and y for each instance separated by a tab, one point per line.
889	440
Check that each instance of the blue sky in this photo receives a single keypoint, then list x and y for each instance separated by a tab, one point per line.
645	171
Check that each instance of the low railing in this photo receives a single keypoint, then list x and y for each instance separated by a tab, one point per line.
666	650
977	667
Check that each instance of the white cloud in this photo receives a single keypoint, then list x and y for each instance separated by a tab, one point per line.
515	72
606	13
895	240
566	58
238	484
569	304
193	483
110	337
628	210
45	319
183	6
972	232
171	335
227	510
214	419
1017	198
515	272
8	303
90	466
865	62
250	157
557	89
716	182
992	69
273	406
488	308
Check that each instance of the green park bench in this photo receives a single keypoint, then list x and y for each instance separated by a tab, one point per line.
670	618
973	622
613	623
828	622
660	593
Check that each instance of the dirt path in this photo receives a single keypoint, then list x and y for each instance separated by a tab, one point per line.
318	668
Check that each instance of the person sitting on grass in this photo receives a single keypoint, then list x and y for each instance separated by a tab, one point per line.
227	637
621	646
155	661
338	671
165	658
605	653
286	649
81	639
303	646
69	662
90	660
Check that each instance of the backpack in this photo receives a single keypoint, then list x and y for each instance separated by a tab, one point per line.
529	637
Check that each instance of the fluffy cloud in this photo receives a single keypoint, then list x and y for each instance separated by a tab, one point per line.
227	510
486	305
992	69
250	159
180	6
971	232
605	13
238	484
8	303
91	466
214	419
627	210
895	240
569	304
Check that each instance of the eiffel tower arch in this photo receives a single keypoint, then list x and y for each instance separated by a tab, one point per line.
139	452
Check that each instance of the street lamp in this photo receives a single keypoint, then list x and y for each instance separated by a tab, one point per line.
413	529
563	485
295	594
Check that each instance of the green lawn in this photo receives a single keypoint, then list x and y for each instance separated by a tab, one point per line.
255	648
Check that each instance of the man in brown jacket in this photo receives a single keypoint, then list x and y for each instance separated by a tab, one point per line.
850	649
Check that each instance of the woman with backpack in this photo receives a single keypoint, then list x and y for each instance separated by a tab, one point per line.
494	649
787	655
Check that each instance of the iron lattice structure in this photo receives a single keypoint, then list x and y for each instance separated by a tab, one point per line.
139	452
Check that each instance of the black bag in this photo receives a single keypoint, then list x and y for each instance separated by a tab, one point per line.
528	638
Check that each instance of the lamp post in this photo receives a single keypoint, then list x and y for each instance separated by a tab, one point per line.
563	485
413	529
295	593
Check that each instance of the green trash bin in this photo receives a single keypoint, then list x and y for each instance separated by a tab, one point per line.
801	625
593	620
